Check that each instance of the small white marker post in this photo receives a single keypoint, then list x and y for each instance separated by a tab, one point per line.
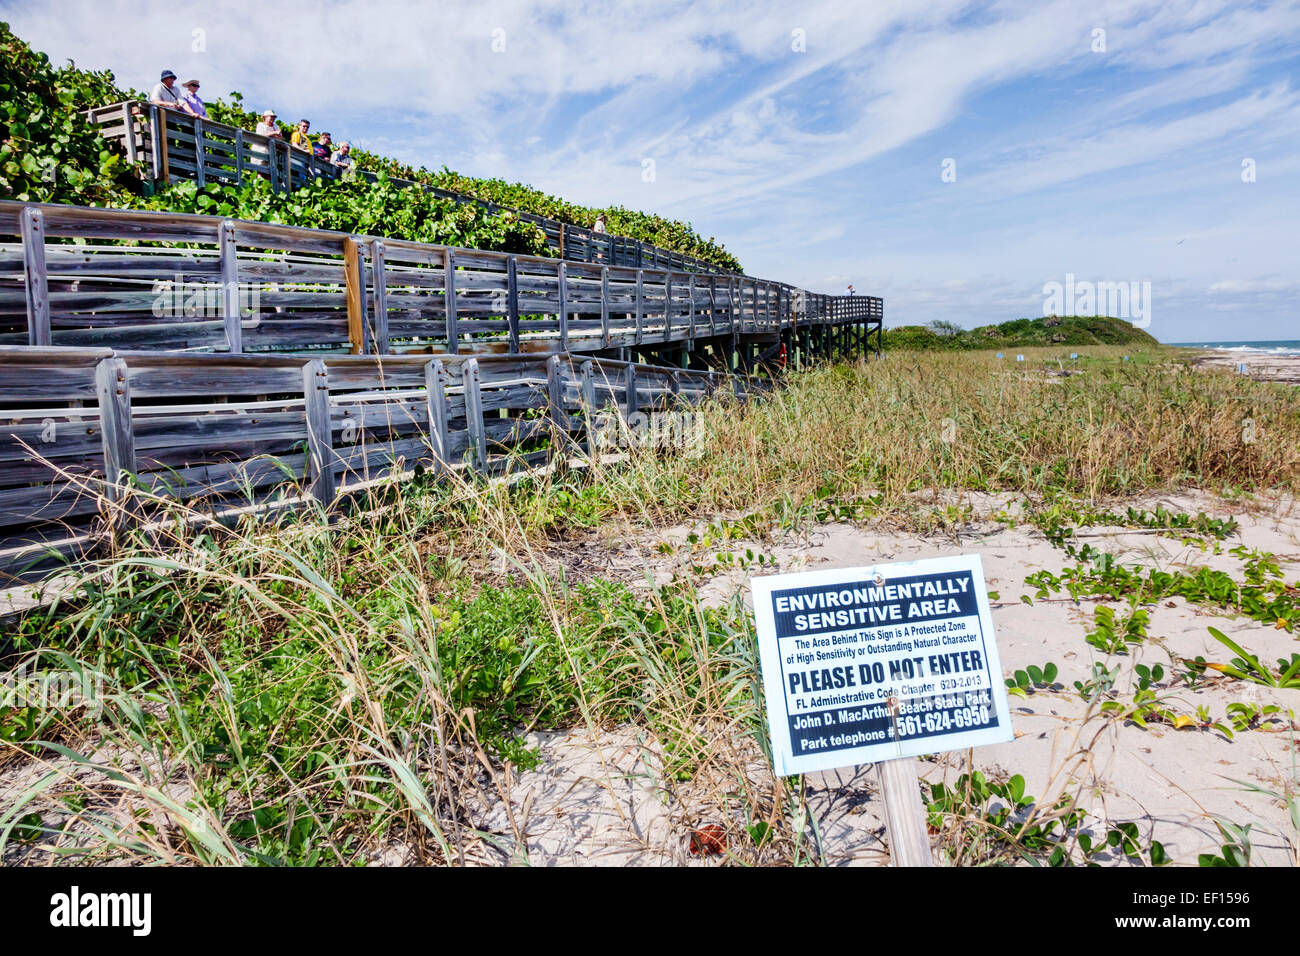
879	666
909	835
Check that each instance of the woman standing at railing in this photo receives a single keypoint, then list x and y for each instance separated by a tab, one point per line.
190	101
268	129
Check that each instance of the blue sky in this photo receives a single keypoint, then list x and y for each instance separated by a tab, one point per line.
811	139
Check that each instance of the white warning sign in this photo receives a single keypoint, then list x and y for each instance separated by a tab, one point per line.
867	664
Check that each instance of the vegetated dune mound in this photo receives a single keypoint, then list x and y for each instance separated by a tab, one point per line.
1021	333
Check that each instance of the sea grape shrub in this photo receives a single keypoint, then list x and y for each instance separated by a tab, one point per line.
378	208
49	151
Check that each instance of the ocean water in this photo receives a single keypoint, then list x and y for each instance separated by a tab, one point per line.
1248	349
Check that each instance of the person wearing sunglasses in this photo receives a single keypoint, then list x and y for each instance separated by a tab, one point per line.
191	102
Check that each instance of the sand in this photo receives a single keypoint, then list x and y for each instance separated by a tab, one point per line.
1268	368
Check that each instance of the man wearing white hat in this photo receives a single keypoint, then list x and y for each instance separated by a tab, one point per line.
268	127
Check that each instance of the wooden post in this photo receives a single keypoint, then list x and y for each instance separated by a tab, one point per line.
157	145
379	297
162	146
199	175
239	157
690	306
604	306
271	164
113	389
453	328
563	228
474	415
629	390
320	442
668	306
640	303
128	121
589	407
353	283
512	301
230	286
713	305
555	408
909	840
436	398
562	282
36	278
731	310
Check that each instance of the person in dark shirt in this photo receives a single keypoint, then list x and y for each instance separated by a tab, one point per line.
323	147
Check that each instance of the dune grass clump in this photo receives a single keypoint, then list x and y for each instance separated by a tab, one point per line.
883	434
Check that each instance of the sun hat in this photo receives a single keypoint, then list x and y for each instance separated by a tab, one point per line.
267	112
191	83
167	73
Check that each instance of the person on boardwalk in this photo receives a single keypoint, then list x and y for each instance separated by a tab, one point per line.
191	102
165	93
300	138
342	157
267	127
324	147
601	225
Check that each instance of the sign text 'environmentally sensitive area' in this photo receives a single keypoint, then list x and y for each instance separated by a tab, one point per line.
867	664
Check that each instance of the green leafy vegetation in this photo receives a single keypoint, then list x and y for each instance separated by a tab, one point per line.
1113	635
1269	600
379	208
1247	666
48	151
326	692
988	823
1025	682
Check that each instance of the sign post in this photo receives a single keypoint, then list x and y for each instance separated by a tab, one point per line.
881	665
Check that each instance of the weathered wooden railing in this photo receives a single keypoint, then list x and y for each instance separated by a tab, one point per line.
221	432
127	279
176	147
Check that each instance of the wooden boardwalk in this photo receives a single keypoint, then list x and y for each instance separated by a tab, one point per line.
151	280
236	365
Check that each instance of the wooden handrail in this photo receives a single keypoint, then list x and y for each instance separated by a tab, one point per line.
363	292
